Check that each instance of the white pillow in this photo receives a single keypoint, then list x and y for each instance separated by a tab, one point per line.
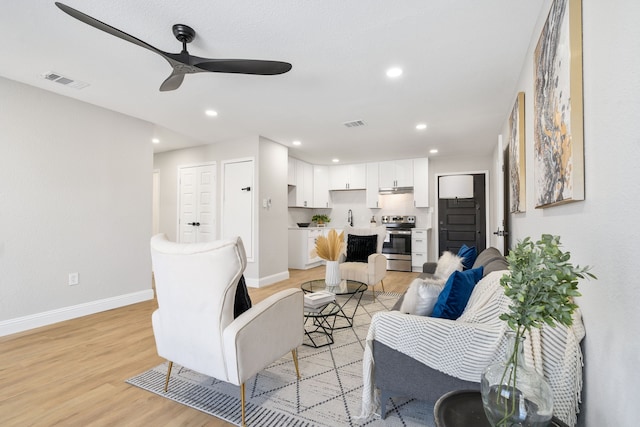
427	296
421	296
447	264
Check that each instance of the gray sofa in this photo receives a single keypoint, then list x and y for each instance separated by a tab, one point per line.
398	375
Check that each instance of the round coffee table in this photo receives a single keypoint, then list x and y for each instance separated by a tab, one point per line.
350	291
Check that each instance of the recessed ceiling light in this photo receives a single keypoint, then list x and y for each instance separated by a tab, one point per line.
297	143
394	72
433	151
335	160
421	126
155	141
211	113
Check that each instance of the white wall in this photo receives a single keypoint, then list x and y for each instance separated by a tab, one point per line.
272	239
599	231
75	196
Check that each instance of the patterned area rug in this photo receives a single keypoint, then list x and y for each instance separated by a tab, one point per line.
328	394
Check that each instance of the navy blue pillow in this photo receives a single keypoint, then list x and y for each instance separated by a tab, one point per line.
454	297
360	247
468	255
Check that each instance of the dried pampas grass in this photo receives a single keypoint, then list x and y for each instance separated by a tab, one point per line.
331	247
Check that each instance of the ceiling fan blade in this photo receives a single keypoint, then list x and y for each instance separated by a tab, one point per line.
244	66
172	82
107	28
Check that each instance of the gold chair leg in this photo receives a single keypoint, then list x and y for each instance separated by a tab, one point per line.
382	284
294	353
242	404
166	383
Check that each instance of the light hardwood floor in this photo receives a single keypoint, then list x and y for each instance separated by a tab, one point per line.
73	373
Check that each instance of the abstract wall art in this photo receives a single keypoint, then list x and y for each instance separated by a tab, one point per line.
517	166
558	107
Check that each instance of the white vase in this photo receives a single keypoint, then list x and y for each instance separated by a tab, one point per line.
332	275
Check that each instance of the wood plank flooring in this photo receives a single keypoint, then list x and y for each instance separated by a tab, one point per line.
72	373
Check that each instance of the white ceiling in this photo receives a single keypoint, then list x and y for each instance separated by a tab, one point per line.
461	61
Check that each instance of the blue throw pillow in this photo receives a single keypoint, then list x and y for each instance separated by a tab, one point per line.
454	297
468	255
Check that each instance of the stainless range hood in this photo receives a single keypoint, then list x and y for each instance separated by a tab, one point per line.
395	190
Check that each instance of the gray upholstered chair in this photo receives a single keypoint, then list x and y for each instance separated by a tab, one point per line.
374	269
195	325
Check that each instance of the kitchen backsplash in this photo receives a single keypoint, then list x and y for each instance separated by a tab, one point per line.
392	204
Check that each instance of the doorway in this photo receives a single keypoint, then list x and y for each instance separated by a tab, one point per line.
197	203
463	220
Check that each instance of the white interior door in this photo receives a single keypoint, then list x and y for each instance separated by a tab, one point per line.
197	220
237	202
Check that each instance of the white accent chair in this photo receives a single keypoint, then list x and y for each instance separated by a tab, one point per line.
194	325
375	269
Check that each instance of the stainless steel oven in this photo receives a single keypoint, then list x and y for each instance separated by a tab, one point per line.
397	244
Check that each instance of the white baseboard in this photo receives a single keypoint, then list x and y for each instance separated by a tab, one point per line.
266	281
37	320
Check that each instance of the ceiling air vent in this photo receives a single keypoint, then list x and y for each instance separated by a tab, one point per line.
66	81
354	124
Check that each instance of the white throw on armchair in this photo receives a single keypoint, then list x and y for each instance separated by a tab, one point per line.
194	325
375	268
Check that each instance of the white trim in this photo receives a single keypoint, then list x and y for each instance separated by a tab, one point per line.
487	198
266	281
37	320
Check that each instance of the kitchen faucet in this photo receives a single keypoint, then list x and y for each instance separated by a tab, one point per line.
350	217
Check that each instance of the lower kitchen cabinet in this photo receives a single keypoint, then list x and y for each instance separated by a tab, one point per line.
419	244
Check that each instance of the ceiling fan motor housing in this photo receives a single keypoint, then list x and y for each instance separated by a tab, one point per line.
184	33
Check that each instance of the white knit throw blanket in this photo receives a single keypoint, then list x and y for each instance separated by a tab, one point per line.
463	348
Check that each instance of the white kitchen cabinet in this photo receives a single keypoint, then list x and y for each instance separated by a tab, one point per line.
421	183
302	195
396	173
321	197
348	177
301	242
419	246
373	199
291	171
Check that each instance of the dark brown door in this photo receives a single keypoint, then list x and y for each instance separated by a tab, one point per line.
463	221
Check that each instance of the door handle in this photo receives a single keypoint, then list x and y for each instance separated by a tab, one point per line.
246	189
501	233
195	224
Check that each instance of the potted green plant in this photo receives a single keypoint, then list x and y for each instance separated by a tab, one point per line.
320	219
542	285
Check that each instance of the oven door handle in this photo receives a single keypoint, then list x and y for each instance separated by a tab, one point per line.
403	232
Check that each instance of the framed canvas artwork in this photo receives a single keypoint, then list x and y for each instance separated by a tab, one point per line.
558	107
517	166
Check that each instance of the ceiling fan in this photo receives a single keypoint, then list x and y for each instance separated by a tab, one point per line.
184	63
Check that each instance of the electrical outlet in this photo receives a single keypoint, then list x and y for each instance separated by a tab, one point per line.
73	279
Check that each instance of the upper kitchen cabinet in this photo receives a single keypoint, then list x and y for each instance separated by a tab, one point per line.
301	196
321	197
291	171
396	173
348	177
373	199
421	183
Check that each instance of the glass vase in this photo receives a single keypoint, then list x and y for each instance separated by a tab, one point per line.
332	273
513	394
